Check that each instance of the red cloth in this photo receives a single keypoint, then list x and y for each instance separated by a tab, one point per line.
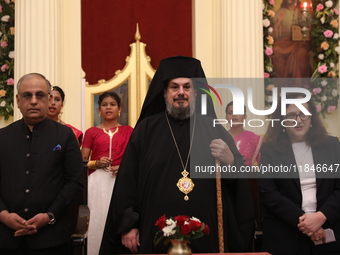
99	143
77	133
109	27
247	144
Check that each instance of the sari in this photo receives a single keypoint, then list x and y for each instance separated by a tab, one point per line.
248	144
100	181
77	133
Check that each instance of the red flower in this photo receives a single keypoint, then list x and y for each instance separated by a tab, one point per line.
195	225
180	227
161	222
181	219
206	230
185	229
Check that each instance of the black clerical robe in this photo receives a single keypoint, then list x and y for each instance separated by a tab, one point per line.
146	188
40	171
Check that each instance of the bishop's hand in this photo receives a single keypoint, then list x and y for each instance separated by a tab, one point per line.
131	240
221	151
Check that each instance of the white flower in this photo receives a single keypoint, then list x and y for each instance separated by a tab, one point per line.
329	4
11	54
5	18
335	36
323	98
171	223
337	49
334	92
270	30
269	69
324	83
269	99
195	219
321	56
168	231
266	22
322	20
331	64
2	104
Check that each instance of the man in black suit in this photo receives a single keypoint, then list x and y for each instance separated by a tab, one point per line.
40	175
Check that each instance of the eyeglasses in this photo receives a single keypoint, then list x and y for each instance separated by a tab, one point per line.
293	116
27	96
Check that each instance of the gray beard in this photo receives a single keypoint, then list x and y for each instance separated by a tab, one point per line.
180	113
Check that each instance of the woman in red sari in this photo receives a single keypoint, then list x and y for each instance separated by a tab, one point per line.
247	142
104	145
55	107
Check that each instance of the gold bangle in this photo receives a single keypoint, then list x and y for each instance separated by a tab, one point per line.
92	164
89	164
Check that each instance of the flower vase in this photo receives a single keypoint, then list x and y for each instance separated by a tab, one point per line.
179	247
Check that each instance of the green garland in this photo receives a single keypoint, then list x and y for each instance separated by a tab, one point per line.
268	41
6	58
325	38
325	42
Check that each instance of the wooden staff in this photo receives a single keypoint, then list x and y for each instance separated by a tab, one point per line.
219	208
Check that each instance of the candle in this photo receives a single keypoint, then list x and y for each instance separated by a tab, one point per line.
110	134
305	5
110	151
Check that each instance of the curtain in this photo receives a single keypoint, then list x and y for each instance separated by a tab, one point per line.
109	27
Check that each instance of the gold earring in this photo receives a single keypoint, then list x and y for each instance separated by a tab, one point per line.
119	114
59	115
99	114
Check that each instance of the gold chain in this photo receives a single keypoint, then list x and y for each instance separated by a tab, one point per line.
184	184
112	134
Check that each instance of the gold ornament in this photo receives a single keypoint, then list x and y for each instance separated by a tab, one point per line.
184	184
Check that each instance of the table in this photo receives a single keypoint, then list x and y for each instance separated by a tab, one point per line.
233	253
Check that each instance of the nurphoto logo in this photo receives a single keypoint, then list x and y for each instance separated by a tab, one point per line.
239	103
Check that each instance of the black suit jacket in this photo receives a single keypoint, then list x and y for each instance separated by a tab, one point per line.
282	199
39	172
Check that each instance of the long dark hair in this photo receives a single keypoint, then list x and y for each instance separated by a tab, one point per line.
278	139
109	94
61	92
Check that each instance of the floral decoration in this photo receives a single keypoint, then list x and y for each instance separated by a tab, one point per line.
180	227
268	41
7	32
325	44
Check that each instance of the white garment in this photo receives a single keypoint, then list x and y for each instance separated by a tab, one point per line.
100	186
305	163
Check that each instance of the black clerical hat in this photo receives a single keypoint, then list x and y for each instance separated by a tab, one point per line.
170	68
